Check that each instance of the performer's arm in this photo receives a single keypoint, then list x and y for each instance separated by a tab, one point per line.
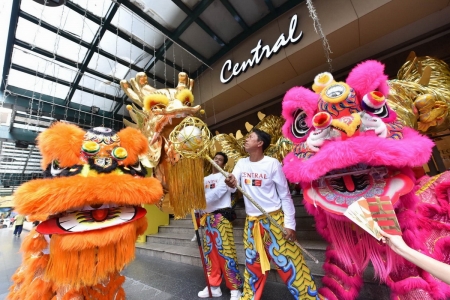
233	178
287	204
436	268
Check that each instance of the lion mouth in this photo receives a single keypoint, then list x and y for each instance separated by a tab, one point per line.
90	218
340	188
353	179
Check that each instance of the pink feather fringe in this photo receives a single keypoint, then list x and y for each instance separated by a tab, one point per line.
413	150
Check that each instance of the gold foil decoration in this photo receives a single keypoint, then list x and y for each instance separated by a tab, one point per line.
234	147
421	94
184	182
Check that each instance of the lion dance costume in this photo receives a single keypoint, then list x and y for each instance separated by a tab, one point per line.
89	203
348	144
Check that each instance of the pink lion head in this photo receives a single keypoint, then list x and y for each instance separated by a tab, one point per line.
348	141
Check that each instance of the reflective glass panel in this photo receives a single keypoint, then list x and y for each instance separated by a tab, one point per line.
47	40
62	17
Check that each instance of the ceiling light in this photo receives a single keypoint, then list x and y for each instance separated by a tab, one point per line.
94	109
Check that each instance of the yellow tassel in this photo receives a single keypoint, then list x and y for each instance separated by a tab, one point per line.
186	190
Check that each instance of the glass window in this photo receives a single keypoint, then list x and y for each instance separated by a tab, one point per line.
35	62
88	99
128	22
107	66
62	17
47	40
121	48
101	85
165	12
97	7
36	84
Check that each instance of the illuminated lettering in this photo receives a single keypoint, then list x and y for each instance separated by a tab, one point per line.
259	52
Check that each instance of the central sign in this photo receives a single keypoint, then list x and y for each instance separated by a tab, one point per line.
259	52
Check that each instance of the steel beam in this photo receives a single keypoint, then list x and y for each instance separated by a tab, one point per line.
10	42
174	36
85	44
161	28
64	60
235	14
110	27
121	33
63	82
270	5
96	41
199	22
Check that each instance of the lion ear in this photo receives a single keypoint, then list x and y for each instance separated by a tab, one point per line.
134	142
61	142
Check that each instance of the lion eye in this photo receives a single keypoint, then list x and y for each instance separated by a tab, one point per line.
90	148
119	153
299	128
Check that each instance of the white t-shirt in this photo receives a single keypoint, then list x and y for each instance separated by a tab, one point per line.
217	193
266	183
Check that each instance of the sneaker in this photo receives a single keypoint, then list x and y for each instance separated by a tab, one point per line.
194	238
235	295
215	291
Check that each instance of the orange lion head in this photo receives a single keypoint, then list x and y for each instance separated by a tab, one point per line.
89	203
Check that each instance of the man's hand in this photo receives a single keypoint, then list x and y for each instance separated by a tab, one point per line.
231	181
290	235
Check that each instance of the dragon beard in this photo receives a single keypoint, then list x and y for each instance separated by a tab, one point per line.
78	260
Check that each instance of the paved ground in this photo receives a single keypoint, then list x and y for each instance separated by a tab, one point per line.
146	277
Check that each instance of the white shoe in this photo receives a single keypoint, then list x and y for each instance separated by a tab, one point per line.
235	295
194	238
215	291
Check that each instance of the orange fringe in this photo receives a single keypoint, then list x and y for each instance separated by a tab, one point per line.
89	258
34	242
28	282
91	273
111	288
41	196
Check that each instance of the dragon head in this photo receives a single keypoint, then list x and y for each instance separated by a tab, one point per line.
159	111
348	141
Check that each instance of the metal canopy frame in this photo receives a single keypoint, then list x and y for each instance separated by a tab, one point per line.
193	16
91	50
48	109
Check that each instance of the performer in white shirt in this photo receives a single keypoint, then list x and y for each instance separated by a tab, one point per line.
263	179
218	242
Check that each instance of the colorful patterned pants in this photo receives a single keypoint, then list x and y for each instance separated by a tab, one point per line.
220	252
286	255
